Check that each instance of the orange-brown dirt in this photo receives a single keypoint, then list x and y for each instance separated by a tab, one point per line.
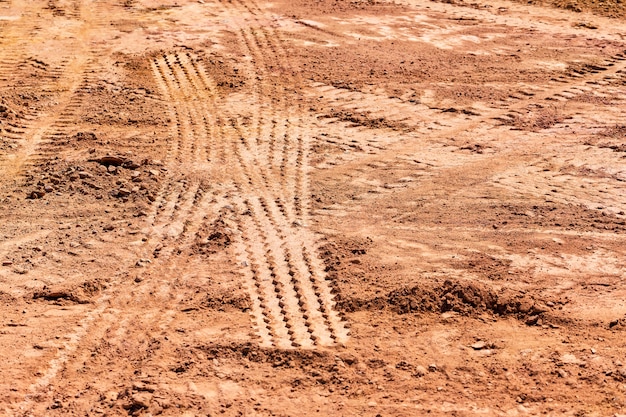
329	207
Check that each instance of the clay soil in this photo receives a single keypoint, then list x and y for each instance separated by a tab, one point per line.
327	207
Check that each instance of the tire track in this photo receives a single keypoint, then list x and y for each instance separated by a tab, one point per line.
54	137
36	139
20	35
46	143
312	292
433	124
174	92
272	266
193	148
286	161
590	78
215	150
188	72
179	211
428	119
273	147
281	259
254	42
268	316
291	303
42	136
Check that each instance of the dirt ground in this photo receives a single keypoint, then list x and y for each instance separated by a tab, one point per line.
321	207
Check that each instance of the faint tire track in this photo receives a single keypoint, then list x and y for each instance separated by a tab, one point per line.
39	135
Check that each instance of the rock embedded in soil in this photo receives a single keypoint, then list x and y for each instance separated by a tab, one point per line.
479	345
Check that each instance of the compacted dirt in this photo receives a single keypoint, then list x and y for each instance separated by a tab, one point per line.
329	207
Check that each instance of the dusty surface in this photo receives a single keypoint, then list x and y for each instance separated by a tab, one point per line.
312	208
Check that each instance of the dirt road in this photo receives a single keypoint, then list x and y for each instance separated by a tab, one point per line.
312	208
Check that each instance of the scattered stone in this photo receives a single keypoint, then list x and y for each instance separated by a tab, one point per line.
479	345
420	371
140	400
7	263
586	25
112	396
92	185
348	359
534	320
124	192
85	136
142	262
83	175
130	164
432	367
140	386
109	160
37	194
112	169
570	359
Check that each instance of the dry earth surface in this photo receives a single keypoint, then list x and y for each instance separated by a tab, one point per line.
321	207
